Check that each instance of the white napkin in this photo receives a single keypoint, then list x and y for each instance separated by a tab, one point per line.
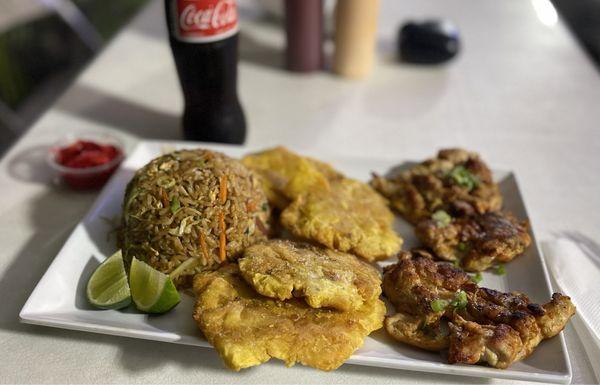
575	266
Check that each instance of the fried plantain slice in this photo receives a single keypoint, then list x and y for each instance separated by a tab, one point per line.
323	277
248	329
285	174
349	216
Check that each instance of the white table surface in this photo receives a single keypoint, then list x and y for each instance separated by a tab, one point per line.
522	93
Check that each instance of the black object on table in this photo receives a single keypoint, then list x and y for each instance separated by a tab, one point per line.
428	42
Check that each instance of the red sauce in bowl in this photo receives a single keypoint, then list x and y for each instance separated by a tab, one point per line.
87	165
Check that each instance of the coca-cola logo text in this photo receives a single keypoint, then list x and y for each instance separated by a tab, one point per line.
205	18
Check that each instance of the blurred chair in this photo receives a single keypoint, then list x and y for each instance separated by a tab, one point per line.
77	20
43	45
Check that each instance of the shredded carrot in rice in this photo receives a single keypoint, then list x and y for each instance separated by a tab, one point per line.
261	226
250	206
222	189
165	198
222	237
203	246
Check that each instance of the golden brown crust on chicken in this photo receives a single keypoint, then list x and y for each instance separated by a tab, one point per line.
416	281
486	325
472	343
456	181
248	329
477	241
323	277
557	314
349	216
413	330
487	306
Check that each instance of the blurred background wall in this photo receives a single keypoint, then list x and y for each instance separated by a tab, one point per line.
45	43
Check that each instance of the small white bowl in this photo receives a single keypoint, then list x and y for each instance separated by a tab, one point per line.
86	178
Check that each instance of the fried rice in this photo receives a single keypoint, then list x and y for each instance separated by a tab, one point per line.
191	210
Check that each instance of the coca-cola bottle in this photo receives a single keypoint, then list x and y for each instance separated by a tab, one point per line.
204	40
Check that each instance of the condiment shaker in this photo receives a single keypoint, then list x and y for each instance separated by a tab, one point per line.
355	34
304	32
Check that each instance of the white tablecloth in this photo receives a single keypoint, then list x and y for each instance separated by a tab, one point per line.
522	93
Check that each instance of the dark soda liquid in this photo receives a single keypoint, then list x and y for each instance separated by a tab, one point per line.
208	77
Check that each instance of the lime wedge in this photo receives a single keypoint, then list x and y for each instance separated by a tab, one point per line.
107	288
152	291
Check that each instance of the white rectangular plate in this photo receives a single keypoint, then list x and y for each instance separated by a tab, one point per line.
59	298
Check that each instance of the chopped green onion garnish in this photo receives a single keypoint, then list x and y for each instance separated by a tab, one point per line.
463	177
265	206
456	263
500	270
476	278
460	300
461	246
441	218
439	304
175	204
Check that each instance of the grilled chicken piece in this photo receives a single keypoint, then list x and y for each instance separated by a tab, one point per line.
557	313
487	306
413	330
456	181
485	325
416	281
471	343
477	241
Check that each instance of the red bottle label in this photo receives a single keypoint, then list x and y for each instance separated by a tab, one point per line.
203	21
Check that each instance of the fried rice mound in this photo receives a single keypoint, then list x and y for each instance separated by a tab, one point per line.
190	210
